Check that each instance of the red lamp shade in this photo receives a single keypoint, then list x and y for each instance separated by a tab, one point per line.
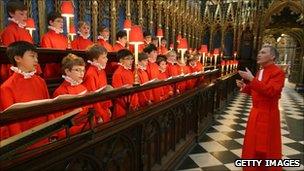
204	49
72	29
67	8
183	44
136	35
127	24
30	23
223	63
160	33
216	51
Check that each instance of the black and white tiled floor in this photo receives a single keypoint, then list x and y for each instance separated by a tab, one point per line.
222	143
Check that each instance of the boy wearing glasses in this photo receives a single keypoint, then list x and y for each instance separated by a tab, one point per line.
23	86
56	40
96	78
123	76
73	68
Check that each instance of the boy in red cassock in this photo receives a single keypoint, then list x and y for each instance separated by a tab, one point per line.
123	76
121	42
147	38
23	86
153	71
15	31
182	69
172	68
73	68
95	78
163	47
263	132
83	41
145	97
162	63
56	40
194	66
103	38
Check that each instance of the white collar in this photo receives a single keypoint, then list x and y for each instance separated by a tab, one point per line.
120	43
97	65
193	65
21	25
58	31
124	66
162	71
85	37
142	68
101	37
71	81
26	75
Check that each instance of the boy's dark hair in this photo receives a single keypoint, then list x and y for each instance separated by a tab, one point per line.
161	58
14	5
121	34
150	48
147	33
102	28
142	56
121	54
18	49
95	50
71	60
52	16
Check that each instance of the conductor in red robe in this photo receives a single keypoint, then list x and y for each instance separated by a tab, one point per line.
56	40
23	86
263	132
82	42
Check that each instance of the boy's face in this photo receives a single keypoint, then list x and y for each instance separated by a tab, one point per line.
123	40
27	62
148	39
102	59
85	30
163	65
171	58
152	56
127	61
192	62
143	62
164	42
76	73
20	16
105	34
57	23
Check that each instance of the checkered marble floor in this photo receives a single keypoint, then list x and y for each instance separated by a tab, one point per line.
222	143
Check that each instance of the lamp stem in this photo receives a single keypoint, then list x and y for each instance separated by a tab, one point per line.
136	77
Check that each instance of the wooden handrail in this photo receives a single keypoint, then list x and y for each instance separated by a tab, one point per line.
32	111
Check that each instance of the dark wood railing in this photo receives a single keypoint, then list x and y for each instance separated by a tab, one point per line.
152	138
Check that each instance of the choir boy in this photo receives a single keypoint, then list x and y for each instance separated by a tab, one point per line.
103	38
163	75
121	42
83	41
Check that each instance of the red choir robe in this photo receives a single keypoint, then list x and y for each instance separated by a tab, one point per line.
118	46
263	132
105	44
153	72
81	43
79	122
10	34
17	89
168	89
56	41
122	77
95	79
196	68
183	85
146	96
163	50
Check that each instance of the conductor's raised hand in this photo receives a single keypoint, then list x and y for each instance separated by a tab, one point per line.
246	75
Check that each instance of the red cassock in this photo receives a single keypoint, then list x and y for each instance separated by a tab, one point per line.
10	34
117	46
197	68
80	120
183	85
17	89
81	43
95	79
56	41
263	133
168	89
121	77
145	96
163	50
172	69
153	72
105	44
